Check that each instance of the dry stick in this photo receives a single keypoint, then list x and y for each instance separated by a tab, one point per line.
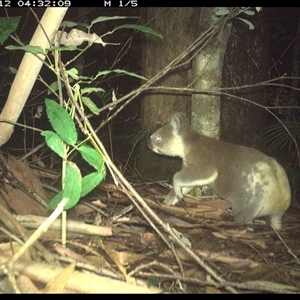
220	92
202	40
286	246
35	149
126	184
158	220
29	127
31	221
166	227
210	33
34	237
262	286
11	235
64	76
154	227
115	172
12	223
187	90
268	110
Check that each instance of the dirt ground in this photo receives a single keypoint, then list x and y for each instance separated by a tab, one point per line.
115	245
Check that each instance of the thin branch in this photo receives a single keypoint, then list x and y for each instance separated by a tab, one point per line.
44	227
132	194
196	46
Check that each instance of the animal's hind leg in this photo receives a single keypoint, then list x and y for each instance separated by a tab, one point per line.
275	220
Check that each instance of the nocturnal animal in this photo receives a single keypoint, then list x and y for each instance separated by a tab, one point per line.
255	184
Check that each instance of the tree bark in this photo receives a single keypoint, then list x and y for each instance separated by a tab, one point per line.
179	29
247	61
207	75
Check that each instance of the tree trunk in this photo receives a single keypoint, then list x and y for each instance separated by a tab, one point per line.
294	93
179	28
207	69
247	61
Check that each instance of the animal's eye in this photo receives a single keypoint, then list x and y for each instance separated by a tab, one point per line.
158	138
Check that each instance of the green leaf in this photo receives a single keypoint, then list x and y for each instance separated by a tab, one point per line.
13	70
93	157
154	281
88	90
54	142
72	184
103	19
89	182
247	12
64	48
55	201
9	70
27	48
71	24
7	25
251	26
72	188
73	73
105	97
61	122
140	28
91	105
118	71
222	12
53	86
277	138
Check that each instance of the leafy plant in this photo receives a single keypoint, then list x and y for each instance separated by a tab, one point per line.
224	11
63	139
277	138
294	179
133	140
8	25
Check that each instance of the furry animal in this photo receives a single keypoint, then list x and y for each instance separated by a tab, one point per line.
255	184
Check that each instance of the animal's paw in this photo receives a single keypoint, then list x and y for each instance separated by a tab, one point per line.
171	198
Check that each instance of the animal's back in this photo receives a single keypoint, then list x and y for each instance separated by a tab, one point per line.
255	184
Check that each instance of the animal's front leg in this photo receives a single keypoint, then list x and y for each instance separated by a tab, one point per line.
188	178
171	198
176	194
181	187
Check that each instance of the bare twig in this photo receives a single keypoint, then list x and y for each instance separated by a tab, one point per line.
138	201
34	237
199	44
286	246
72	226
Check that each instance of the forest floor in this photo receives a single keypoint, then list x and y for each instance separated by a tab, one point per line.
113	247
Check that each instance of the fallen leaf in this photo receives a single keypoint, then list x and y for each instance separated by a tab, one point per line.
58	283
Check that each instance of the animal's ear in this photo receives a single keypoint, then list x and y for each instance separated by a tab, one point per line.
179	123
